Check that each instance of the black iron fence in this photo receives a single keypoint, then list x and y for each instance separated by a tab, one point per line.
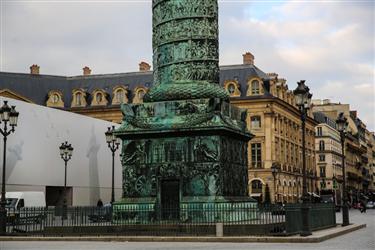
244	220
321	215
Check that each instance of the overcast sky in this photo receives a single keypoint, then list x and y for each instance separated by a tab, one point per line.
328	43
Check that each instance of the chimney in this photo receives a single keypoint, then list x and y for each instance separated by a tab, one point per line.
248	58
86	71
143	66
34	69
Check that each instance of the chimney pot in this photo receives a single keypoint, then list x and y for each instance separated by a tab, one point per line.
248	58
143	66
86	71
34	69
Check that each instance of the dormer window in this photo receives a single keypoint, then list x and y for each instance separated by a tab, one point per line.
99	98
120	95
139	94
255	87
79	98
55	99
233	88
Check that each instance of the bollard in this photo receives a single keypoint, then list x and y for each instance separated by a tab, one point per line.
219	230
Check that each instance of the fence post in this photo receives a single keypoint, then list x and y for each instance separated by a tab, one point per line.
219	229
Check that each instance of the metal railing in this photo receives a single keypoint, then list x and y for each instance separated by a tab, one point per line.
195	219
321	216
241	220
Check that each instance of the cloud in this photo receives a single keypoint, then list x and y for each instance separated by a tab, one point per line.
328	43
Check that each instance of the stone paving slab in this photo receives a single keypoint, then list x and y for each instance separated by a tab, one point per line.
316	237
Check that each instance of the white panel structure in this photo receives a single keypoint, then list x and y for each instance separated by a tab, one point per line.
34	162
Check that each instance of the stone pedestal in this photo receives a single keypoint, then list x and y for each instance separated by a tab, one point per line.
184	160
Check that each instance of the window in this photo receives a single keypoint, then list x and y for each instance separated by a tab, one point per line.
231	89
322	171
321	145
319	131
256	186
255	122
55	98
322	157
78	99
255	87
120	96
99	97
256	155
141	93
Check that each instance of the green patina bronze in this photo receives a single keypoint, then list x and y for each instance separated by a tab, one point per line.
185	46
185	148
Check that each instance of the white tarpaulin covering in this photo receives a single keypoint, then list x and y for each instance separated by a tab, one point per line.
34	162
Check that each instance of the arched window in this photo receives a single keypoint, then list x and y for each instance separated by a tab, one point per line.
231	89
99	97
255	87
120	96
55	98
256	186
141	94
321	145
78	99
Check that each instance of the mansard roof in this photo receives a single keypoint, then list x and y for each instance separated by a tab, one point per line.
37	87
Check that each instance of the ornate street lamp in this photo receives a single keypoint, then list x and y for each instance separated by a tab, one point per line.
113	144
275	169
303	101
66	151
342	125
9	117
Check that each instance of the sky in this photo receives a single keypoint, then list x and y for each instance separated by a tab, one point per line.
330	44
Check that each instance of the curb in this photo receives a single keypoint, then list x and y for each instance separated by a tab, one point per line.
338	231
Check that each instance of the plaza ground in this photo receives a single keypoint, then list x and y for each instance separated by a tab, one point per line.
363	239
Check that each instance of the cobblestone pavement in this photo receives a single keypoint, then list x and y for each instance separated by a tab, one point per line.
363	239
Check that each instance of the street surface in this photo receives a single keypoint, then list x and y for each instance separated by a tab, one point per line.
363	239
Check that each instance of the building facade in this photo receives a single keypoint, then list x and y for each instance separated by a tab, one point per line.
358	149
272	115
275	121
328	156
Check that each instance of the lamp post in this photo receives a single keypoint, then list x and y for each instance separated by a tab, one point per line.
113	144
342	125
275	169
303	101
66	151
7	115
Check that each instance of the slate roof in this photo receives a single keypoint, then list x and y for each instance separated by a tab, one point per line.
323	118
36	87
